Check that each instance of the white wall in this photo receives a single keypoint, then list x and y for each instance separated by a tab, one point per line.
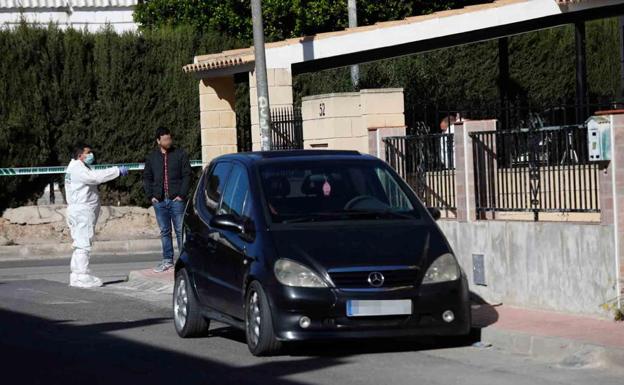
92	19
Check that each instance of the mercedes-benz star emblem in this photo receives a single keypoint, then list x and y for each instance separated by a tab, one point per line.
376	279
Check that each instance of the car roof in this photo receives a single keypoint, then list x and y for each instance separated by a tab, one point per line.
290	155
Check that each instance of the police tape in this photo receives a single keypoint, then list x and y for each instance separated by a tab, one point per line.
17	171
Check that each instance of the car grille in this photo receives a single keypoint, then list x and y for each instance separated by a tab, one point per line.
359	279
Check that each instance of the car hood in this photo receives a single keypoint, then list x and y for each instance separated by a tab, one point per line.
325	247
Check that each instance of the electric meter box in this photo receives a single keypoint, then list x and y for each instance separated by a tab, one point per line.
599	138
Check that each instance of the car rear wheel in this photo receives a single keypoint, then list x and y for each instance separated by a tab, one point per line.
187	317
261	338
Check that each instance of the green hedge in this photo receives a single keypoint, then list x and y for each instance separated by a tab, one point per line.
62	87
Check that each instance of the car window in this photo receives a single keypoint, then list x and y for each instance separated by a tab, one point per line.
236	192
394	193
248	206
214	184
331	190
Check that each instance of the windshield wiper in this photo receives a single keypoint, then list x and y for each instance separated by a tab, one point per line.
379	214
349	214
315	217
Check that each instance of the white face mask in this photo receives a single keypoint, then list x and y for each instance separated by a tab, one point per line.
90	159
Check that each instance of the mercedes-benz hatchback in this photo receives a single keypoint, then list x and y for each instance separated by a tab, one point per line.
314	245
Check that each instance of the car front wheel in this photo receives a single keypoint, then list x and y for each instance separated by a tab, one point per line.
261	338
187	317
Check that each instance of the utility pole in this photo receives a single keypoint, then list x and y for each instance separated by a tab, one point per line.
621	25
355	69
264	110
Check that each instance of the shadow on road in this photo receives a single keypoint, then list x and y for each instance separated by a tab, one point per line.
346	348
35	350
483	315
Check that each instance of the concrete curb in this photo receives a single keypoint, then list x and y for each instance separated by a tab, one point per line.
561	351
57	250
147	280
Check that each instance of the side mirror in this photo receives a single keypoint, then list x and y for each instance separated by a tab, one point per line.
228	222
435	212
244	227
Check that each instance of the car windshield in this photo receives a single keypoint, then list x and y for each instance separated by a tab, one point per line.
333	190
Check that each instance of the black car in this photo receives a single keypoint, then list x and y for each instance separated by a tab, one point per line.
314	245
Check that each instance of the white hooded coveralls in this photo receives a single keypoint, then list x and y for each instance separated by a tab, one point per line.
83	208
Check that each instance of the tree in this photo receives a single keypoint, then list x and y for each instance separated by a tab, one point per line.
283	18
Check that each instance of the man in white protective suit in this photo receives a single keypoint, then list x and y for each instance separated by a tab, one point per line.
83	210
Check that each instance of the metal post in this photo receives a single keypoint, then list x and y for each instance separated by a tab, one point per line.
264	111
52	192
355	69
503	78
621	24
581	72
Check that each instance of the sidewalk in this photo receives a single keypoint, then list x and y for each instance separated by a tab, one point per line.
563	339
575	341
148	280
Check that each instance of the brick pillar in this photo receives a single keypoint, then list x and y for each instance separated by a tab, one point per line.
280	95
383	116
606	195
464	166
463	157
612	192
218	117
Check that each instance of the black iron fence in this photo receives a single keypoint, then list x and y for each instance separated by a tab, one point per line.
427	163
286	128
511	114
534	170
243	133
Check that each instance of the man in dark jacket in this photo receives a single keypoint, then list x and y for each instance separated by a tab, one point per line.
166	181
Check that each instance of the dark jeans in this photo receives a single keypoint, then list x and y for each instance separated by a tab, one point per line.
167	212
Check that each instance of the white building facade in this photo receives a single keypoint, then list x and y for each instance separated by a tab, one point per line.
92	15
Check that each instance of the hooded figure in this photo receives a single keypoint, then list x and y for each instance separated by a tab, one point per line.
83	210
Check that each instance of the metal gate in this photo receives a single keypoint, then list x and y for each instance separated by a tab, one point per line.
286	128
427	163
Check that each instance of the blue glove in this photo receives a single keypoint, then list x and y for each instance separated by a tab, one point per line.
123	170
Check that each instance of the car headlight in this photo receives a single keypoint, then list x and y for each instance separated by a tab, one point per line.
290	273
443	269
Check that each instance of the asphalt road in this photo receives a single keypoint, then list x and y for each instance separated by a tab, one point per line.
53	334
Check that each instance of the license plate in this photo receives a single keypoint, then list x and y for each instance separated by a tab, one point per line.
369	308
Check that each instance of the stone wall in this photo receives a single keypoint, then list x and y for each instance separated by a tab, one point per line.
46	224
353	120
564	267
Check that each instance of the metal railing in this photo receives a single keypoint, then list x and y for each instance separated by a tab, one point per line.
427	163
286	128
510	114
243	132
534	170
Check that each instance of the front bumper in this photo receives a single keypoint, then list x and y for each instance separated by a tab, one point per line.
327	310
